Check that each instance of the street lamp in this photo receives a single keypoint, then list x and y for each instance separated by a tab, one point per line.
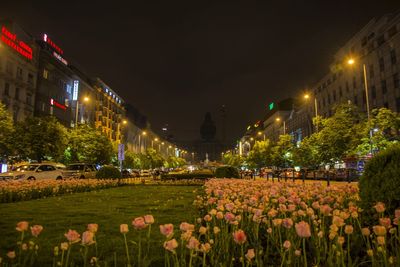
261	133
284	125
351	62
152	141
85	99
144	133
306	97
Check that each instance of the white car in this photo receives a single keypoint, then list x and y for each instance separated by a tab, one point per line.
36	171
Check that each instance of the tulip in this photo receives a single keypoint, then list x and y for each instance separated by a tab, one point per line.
239	237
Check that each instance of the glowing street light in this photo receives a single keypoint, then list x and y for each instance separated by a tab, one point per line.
284	125
351	62
85	99
306	97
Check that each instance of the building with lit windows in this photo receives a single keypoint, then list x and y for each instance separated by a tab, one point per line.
109	111
18	70
55	82
375	47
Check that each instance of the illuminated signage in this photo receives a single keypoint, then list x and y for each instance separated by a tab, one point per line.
11	40
55	103
60	58
52	44
271	106
76	90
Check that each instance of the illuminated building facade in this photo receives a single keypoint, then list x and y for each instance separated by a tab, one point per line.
377	46
55	83
109	111
18	70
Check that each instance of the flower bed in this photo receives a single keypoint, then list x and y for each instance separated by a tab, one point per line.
11	191
245	223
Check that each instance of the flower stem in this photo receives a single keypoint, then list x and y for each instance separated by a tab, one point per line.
305	254
127	251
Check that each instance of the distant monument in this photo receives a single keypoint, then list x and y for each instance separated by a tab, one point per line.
208	129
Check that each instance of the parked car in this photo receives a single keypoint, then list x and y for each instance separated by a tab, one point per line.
145	173
80	170
289	173
36	171
127	174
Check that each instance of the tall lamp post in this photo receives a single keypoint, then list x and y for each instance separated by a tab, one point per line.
351	62
261	133
85	99
307	96
144	133
284	124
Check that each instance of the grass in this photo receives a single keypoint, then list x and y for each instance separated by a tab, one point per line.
109	208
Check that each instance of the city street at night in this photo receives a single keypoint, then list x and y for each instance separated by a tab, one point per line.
200	133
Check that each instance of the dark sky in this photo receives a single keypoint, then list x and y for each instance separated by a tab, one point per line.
177	60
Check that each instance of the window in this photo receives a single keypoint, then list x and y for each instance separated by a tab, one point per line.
393	58
7	89
381	64
396	80
392	31
383	85
19	73
381	40
371	71
9	68
16	93
30	78
29	99
45	74
373	91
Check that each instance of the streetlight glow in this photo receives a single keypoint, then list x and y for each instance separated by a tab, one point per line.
306	96
124	121
144	133
350	61
278	119
259	133
86	99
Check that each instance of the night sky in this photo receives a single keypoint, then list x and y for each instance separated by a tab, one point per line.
177	60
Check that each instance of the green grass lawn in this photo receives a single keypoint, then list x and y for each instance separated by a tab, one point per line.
109	208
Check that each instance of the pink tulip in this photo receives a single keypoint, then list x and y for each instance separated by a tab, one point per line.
148	219
36	230
193	243
72	236
171	245
22	226
186	227
250	254
386	222
303	229
167	230
287	223
123	228
87	238
11	254
239	237
287	244
93	227
379	207
139	223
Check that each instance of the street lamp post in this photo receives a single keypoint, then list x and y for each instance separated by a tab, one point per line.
284	125
351	62
307	96
85	99
261	133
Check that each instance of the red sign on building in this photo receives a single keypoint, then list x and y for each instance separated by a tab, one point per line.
11	40
55	103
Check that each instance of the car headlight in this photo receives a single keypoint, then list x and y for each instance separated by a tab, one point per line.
20	176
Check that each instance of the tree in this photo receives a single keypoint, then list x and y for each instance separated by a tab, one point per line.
41	138
260	155
89	145
174	162
282	151
132	161
306	154
155	160
232	159
340	134
384	125
6	132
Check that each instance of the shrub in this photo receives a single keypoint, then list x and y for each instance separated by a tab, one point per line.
227	172
191	175
108	172
381	182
